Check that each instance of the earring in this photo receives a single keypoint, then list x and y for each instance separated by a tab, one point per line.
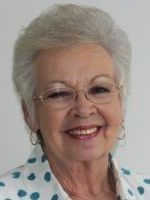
124	133
33	138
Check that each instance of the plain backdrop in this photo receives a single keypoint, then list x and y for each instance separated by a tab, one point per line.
133	16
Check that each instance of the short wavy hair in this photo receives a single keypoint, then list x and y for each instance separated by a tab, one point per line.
63	25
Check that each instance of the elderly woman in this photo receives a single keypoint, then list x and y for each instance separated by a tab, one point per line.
71	72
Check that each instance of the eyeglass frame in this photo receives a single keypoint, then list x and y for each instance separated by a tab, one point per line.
116	87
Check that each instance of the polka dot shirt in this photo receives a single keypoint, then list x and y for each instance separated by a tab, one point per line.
34	180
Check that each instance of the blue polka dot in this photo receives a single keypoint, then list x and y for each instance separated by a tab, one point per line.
35	196
31	177
32	160
125	171
43	158
147	181
54	197
130	192
47	176
16	174
22	193
140	190
2	184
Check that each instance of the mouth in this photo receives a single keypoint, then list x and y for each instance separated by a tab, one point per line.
84	133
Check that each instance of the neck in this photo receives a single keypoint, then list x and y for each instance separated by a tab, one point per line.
80	178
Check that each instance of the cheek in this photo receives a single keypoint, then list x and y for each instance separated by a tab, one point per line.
113	115
49	121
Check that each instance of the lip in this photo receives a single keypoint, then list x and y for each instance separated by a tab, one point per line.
83	127
99	131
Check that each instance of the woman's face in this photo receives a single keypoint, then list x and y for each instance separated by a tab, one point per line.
84	130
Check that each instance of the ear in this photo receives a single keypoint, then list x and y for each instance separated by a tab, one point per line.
28	117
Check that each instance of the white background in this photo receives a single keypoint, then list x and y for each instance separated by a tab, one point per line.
134	17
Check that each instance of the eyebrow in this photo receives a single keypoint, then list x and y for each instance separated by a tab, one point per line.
57	81
101	76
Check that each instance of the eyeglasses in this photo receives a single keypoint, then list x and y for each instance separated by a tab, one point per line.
99	93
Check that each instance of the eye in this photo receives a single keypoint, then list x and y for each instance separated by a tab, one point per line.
99	89
57	95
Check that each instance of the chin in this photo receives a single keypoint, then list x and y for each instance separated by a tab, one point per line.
88	156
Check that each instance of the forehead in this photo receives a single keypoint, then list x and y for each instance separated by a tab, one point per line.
73	64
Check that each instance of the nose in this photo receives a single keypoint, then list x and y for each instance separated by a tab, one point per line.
83	107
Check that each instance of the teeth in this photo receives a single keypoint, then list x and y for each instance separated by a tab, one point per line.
83	132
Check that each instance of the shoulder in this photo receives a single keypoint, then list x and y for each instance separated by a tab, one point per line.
21	182
135	184
12	184
30	181
33	180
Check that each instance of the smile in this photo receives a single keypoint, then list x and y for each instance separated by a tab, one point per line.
85	133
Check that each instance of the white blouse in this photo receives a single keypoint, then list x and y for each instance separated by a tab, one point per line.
35	180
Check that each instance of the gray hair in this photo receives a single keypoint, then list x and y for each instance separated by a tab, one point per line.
63	25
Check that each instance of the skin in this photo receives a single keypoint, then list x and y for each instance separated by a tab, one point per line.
81	166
